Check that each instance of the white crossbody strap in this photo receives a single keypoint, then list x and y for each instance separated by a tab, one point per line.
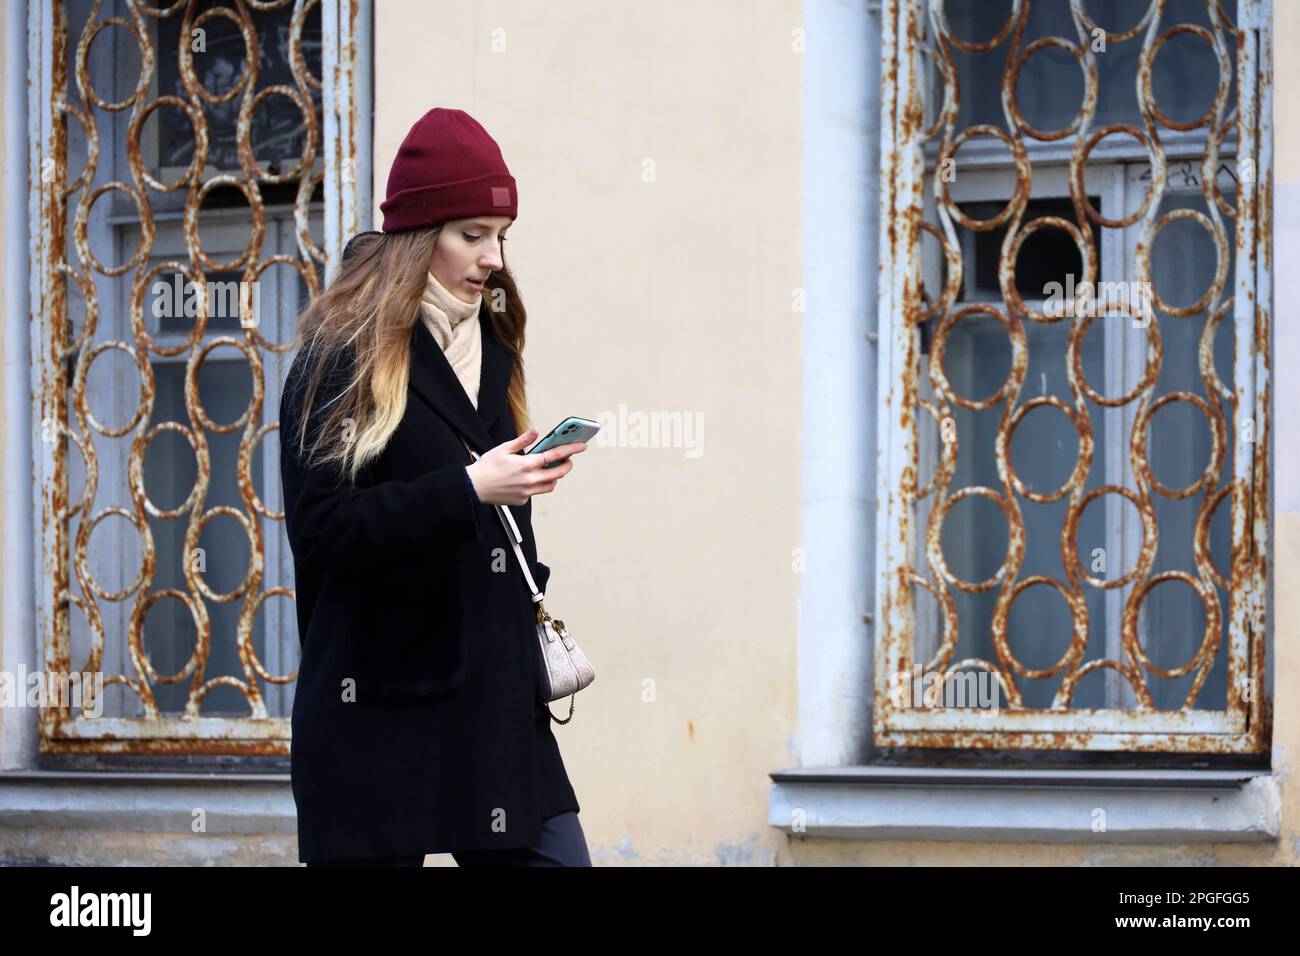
512	532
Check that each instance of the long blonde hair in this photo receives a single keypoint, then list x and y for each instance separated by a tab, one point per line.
363	322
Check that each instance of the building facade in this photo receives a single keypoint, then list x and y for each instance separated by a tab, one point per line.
976	304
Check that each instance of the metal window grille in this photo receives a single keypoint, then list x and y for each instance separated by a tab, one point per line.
162	136
1103	680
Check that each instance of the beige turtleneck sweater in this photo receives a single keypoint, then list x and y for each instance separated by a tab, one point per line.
455	327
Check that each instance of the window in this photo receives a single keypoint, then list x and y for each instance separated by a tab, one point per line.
1072	528
198	172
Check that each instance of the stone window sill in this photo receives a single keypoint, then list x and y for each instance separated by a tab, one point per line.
1027	805
234	803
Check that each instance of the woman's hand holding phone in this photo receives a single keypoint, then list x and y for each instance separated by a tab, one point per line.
501	476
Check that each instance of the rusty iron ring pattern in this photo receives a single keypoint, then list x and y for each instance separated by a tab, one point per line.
940	44
84	108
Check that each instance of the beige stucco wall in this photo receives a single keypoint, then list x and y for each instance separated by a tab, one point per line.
671	295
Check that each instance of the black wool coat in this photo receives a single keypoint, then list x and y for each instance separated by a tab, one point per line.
416	725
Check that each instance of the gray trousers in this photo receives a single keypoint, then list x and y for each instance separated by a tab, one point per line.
562	844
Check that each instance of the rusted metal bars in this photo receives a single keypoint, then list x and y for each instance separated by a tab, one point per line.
62	413
1241	726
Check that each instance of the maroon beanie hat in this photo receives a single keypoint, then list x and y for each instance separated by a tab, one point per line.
448	167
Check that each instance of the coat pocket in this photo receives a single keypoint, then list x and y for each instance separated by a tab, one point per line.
410	643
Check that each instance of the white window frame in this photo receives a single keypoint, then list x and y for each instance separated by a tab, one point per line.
345	139
903	186
841	783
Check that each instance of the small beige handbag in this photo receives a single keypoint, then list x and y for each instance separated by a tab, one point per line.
565	669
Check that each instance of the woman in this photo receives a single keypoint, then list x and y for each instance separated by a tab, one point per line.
416	724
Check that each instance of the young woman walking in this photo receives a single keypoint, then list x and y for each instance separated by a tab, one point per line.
416	723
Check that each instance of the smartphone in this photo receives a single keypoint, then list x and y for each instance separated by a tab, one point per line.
568	431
